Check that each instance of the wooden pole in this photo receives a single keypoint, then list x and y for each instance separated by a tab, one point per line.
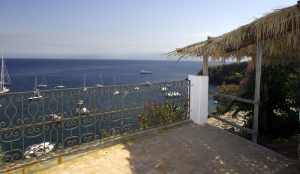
258	65
205	66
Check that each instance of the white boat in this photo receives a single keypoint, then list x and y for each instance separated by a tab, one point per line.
101	84
145	72
43	84
81	109
84	83
4	79
36	93
163	89
54	117
148	83
116	93
173	94
37	150
59	87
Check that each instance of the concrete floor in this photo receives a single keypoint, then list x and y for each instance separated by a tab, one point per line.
186	149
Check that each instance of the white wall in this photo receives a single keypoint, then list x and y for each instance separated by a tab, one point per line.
199	99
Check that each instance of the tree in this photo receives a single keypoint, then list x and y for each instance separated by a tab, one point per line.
279	101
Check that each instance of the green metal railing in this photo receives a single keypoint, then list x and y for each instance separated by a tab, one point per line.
31	129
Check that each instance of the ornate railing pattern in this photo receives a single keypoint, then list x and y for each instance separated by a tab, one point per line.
64	118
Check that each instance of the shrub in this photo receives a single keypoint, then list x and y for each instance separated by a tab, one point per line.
279	100
161	114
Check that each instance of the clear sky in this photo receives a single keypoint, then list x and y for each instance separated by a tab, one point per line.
118	28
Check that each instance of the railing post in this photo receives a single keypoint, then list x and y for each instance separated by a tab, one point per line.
60	159
199	99
258	65
205	66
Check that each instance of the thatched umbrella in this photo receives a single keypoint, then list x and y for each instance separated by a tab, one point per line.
272	38
279	31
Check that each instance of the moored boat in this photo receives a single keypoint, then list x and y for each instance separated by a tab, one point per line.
4	79
145	72
36	93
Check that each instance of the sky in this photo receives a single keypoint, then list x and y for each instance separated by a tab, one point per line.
122	29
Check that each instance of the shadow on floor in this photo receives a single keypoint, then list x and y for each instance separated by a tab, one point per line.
202	149
185	149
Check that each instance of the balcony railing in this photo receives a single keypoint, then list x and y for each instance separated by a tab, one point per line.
55	120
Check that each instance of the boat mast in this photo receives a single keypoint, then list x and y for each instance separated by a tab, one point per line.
2	74
35	83
84	81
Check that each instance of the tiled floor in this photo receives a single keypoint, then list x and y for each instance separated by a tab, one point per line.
185	149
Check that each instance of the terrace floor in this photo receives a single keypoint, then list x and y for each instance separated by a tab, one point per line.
184	149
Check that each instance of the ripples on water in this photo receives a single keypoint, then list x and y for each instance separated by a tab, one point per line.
70	73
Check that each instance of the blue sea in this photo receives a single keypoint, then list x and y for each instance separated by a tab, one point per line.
71	72
23	116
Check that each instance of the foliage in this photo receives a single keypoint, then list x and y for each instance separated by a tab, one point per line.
279	101
280	96
227	74
1	156
225	103
229	89
161	114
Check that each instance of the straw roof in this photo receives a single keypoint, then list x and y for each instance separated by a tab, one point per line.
279	32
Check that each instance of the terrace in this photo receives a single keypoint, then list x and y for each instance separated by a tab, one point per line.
181	148
148	128
125	129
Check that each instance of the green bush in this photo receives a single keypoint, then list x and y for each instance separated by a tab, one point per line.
227	74
155	114
1	156
280	97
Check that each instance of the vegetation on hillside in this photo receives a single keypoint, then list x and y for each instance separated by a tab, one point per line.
280	96
227	74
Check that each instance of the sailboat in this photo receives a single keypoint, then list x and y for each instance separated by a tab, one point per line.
4	79
84	83
36	93
59	86
100	85
145	72
81	108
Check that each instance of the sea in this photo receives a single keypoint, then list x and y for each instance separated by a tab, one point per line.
72	73
15	111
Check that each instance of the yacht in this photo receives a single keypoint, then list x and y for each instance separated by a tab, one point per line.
173	94
81	108
54	117
84	83
163	89
145	72
99	85
43	84
37	150
59	87
36	93
4	79
116	93
148	83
